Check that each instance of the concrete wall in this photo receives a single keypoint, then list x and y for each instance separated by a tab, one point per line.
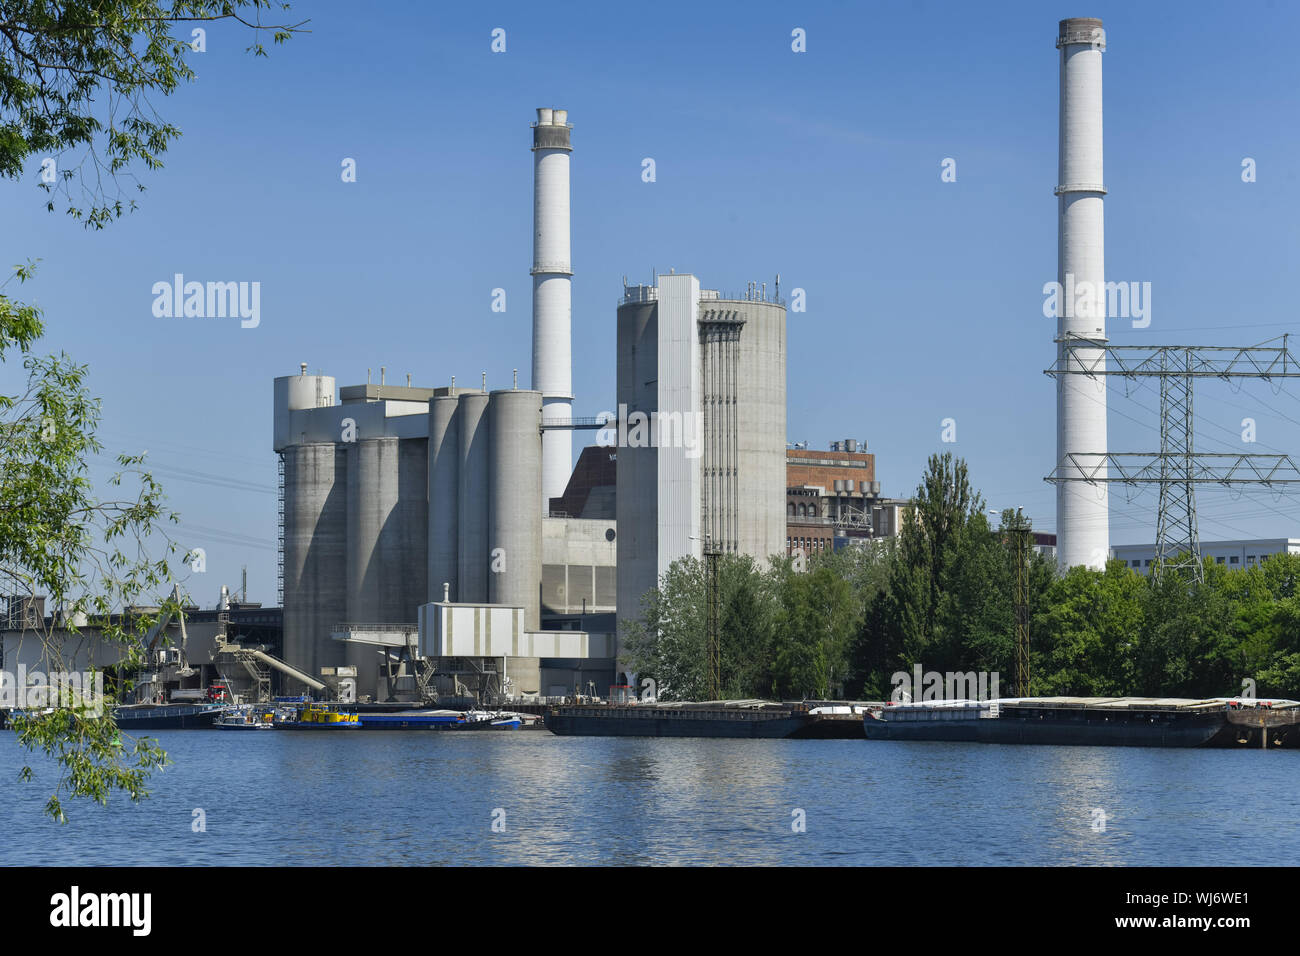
579	558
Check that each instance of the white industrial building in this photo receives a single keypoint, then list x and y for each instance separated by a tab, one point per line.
1240	553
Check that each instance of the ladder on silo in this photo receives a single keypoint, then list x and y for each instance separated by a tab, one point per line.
279	551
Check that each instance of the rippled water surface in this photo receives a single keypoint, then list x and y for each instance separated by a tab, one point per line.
431	798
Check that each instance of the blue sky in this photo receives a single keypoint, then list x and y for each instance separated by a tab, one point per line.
924	298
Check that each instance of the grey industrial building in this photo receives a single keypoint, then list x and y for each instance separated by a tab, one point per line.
706	376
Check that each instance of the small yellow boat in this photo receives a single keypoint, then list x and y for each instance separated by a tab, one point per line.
322	717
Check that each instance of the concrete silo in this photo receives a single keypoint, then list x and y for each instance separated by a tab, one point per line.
444	496
472	495
372	499
315	520
515	502
410	532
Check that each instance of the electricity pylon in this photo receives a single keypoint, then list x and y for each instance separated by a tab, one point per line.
1176	468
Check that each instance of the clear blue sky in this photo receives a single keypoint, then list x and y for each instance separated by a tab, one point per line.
924	297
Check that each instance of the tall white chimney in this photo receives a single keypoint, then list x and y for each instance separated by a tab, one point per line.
1082	510
552	305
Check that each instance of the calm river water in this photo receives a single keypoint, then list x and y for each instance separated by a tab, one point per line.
434	798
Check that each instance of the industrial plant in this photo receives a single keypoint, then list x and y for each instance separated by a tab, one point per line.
431	527
438	541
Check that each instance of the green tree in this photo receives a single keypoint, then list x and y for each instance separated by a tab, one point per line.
667	642
917	615
817	619
1085	632
1179	649
79	77
77	84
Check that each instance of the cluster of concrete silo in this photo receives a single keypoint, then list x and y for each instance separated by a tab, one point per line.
485	494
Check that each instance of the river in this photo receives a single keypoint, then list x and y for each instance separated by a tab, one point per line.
527	797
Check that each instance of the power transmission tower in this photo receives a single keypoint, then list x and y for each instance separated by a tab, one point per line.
1178	546
713	638
1176	468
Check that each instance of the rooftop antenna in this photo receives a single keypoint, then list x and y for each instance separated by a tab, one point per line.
408	379
383	374
516	385
302	366
367	376
484	386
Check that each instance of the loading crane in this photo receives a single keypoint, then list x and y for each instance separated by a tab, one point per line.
172	612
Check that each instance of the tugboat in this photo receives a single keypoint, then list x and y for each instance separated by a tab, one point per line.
322	717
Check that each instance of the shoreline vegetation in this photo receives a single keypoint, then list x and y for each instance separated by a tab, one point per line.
838	625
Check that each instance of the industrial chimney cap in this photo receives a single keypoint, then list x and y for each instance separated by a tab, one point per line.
1081	30
551	131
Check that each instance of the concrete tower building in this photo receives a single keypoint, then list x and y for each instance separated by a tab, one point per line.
552	304
701	443
1082	509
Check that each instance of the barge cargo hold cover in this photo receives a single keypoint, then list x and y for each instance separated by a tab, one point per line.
733	718
1094	721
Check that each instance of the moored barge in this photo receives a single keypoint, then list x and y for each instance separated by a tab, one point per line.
1093	721
741	718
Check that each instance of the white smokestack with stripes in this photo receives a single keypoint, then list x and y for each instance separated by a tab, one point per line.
552	303
1082	509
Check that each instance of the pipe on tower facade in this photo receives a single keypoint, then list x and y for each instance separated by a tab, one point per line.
1082	509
